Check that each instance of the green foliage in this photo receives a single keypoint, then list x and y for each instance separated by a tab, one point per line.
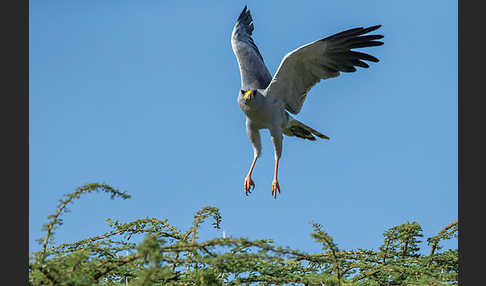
170	256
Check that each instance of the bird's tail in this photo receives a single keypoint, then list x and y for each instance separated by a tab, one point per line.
299	129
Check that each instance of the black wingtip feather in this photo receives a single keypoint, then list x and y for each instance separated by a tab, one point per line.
360	64
345	68
364	38
343	34
242	14
245	19
363	56
365	44
370	29
354	32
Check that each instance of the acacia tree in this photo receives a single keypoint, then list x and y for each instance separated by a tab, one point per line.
171	256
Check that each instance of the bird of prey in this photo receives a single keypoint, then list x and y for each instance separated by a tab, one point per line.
266	101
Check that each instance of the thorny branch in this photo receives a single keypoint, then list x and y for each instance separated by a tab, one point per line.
166	252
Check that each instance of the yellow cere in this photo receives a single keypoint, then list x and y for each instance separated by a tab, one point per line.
248	93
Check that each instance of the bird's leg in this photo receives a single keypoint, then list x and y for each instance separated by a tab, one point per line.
254	136
248	181
275	185
276	135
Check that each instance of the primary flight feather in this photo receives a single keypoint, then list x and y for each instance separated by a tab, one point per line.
266	100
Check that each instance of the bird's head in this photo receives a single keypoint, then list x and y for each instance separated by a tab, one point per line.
248	94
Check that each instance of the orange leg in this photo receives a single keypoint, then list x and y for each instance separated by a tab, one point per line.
275	185
248	181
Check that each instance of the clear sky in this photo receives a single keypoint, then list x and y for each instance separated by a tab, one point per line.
142	95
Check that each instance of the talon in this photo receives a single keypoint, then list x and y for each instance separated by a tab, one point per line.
248	185
275	188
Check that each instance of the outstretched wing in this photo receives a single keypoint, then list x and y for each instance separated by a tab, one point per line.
302	68
254	73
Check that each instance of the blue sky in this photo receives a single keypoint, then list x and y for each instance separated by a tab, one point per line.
142	95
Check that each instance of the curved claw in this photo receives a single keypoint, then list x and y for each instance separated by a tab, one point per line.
248	185
275	188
